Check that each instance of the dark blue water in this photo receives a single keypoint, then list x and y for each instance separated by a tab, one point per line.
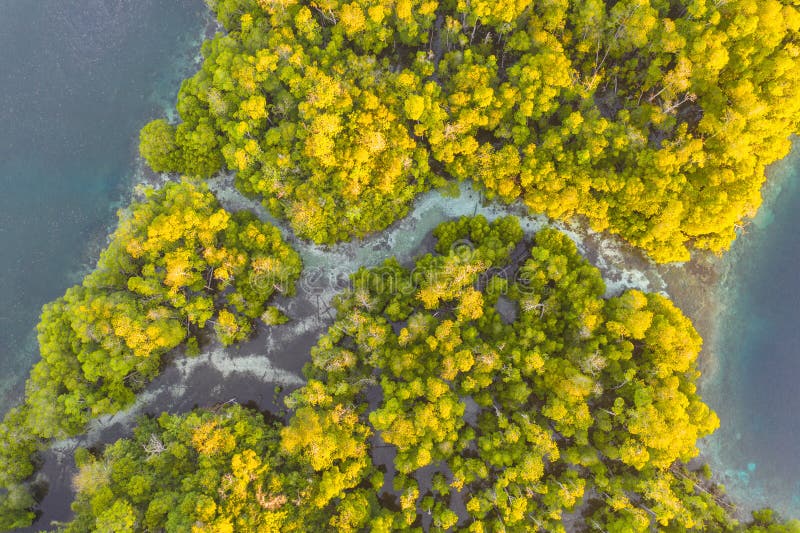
78	78
755	387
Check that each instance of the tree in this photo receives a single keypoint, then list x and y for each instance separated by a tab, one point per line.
157	146
215	470
438	419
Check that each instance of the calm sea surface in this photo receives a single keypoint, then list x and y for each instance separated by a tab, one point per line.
78	78
755	387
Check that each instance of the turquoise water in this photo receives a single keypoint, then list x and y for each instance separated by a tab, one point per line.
78	78
754	387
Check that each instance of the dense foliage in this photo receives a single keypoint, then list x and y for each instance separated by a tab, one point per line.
223	470
651	119
202	472
577	402
428	409
493	387
177	263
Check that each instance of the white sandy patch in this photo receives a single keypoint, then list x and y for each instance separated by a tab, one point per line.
256	364
98	425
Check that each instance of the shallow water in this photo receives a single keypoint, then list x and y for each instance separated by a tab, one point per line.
754	385
78	78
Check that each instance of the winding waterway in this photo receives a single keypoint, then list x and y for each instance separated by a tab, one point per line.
78	78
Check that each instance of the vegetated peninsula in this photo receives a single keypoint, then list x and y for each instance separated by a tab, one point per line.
491	388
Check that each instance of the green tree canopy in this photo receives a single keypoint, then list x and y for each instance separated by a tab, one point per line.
177	263
206	471
576	403
650	119
427	409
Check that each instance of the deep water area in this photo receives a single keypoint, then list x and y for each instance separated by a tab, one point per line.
78	79
754	381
